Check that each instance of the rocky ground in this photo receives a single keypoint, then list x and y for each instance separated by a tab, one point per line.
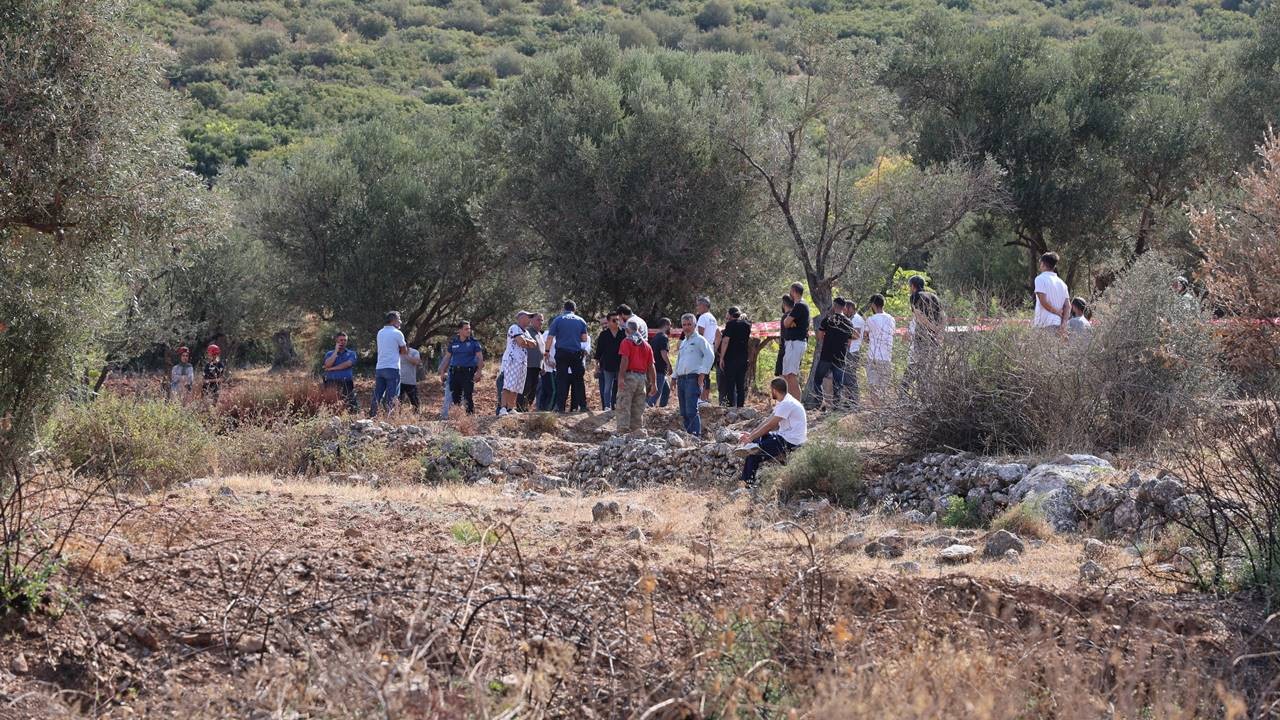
561	571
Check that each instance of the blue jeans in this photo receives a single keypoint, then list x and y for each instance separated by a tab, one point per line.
608	389
772	447
386	386
837	380
689	392
663	395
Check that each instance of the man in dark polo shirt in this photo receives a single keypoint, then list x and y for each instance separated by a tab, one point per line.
463	365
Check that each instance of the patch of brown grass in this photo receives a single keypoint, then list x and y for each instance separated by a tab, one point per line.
1024	520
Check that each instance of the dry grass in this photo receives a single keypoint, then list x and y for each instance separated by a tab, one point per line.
1024	520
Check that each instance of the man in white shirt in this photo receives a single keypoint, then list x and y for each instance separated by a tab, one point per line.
879	334
854	358
783	431
515	362
391	347
708	329
1053	299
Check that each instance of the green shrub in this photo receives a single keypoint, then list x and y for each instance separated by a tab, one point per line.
374	25
466	533
1026	520
962	513
716	13
446	460
477	76
142	444
633	33
821	468
507	62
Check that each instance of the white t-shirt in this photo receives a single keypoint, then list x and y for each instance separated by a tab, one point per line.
707	324
880	329
1056	292
390	340
794	425
859	324
409	371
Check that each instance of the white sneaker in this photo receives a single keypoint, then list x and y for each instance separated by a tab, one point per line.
703	403
503	412
745	450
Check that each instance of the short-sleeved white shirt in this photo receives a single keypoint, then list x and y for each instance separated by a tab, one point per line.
859	324
390	340
707	324
794	424
1056	292
880	329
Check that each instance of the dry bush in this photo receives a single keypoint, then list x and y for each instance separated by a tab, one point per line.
1145	370
1241	268
1024	520
300	446
269	402
1231	465
137	443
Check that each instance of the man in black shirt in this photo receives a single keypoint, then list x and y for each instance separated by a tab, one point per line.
608	360
661	345
795	339
834	334
927	324
734	340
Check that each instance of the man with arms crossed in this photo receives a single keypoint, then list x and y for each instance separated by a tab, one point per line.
386	378
339	374
694	359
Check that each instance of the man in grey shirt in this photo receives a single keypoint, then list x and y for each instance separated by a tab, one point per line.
528	399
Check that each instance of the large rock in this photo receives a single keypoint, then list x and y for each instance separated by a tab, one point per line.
1059	509
1092	571
851	542
887	546
1161	492
1100	499
1000	542
481	451
956	554
1044	479
603	511
1077	459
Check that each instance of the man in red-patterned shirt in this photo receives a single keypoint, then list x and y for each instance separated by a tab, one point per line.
636	378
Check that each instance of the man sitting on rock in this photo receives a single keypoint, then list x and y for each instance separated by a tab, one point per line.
764	444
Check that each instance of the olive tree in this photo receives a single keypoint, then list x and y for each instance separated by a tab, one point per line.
91	182
613	174
380	218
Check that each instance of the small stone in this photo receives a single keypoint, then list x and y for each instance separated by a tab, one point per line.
18	666
114	619
636	534
915	517
674	439
145	636
1094	549
851	542
940	541
567	492
1000	541
956	554
1091	571
700	548
603	511
887	546
909	567
249	645
1012	557
351	533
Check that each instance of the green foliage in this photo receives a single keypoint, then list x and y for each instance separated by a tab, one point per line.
714	14
821	468
962	513
610	161
92	187
381	218
446	460
466	533
137	443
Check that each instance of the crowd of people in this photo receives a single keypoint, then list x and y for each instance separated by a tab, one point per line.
544	368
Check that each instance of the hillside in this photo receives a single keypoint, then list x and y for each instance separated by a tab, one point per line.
265	73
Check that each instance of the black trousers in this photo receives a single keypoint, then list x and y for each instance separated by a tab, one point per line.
733	385
462	385
410	392
529	396
570	380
